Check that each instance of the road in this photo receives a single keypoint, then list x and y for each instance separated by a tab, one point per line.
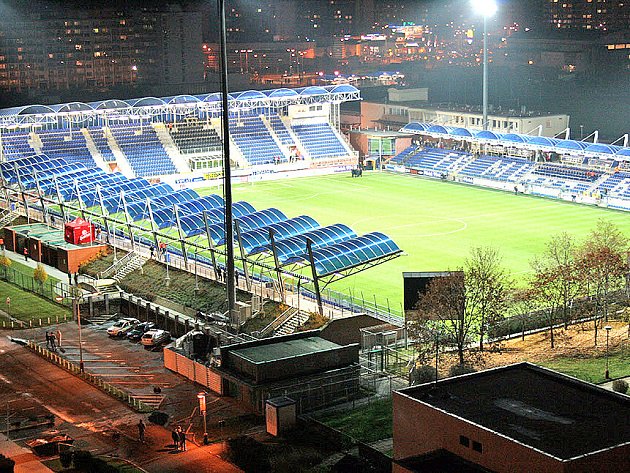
31	387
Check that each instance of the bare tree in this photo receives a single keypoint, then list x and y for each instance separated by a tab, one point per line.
560	254
487	284
545	286
445	302
603	265
521	302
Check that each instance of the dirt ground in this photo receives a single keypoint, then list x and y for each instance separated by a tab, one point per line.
577	341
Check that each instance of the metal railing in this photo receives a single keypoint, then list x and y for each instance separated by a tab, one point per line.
118	265
278	321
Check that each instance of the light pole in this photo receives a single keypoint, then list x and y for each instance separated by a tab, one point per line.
607	328
167	260
202	408
78	312
486	8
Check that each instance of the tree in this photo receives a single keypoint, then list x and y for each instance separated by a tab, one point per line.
521	303
445	302
546	286
5	264
40	274
487	284
603	263
560	256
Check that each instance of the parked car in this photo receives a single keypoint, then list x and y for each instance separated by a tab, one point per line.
119	327
155	337
135	334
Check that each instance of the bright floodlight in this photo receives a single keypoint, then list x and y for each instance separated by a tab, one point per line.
484	7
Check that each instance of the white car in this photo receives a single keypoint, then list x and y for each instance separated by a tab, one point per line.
120	325
155	337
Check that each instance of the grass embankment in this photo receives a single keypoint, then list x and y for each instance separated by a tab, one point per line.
592	369
151	281
27	306
28	271
364	424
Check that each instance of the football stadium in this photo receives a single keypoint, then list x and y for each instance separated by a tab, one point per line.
147	173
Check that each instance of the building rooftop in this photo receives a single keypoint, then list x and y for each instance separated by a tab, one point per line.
48	235
556	414
283	349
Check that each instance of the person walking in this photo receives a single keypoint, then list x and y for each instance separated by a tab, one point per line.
141	429
175	437
52	341
182	439
25	252
152	250
47	340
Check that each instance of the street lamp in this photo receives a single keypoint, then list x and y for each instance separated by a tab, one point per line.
486	8
607	328
77	307
202	407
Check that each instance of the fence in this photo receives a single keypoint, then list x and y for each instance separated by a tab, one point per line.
50	290
94	380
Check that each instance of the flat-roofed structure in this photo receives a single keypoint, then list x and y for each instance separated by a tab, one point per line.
46	244
519	418
306	367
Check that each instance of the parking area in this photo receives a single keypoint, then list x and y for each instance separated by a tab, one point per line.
136	369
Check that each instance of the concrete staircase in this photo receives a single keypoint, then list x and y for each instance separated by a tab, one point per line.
121	268
171	149
121	159
291	324
96	154
7	217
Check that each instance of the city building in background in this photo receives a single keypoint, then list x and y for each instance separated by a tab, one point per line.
61	47
611	15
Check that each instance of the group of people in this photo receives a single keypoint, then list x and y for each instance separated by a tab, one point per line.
179	439
161	250
178	435
53	340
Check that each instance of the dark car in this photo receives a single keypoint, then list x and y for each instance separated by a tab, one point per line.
136	333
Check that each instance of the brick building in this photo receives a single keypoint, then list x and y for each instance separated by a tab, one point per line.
517	418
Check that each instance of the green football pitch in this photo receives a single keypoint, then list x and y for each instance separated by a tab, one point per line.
434	222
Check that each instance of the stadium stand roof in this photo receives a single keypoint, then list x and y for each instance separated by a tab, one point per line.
142	209
259	240
350	253
115	204
210	103
528	141
294	249
166	217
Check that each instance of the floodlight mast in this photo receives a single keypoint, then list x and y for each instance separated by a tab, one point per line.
227	172
486	8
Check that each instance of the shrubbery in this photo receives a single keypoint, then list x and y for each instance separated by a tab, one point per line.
457	370
620	386
6	464
421	374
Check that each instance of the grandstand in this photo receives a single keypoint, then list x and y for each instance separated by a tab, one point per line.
162	137
192	226
593	173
